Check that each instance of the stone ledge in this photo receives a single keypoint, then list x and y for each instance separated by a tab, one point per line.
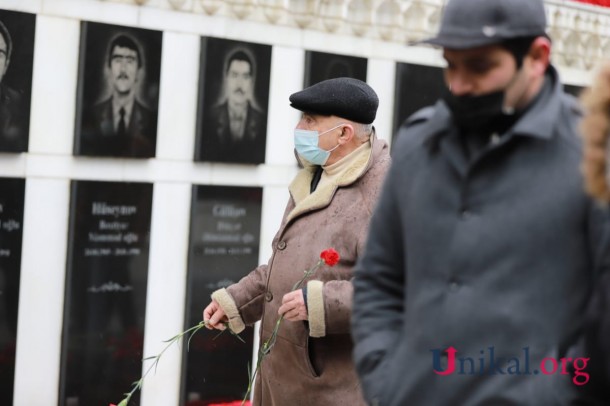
580	32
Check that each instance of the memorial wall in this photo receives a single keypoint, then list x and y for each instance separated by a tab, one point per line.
145	154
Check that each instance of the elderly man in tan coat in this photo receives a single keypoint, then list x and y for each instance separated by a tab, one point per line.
331	201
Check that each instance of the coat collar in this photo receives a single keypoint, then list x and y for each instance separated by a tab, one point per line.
539	121
541	118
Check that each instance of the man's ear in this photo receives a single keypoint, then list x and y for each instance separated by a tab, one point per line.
347	134
539	55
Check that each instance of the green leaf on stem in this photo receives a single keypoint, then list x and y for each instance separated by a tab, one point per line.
175	339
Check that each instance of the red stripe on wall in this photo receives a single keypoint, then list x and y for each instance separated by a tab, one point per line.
602	3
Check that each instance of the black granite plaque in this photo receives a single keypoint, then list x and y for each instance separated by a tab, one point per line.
16	60
417	86
12	193
233	101
320	66
105	300
118	91
224	245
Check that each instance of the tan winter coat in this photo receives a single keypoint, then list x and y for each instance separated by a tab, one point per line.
311	362
595	128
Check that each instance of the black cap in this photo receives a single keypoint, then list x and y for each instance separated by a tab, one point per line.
474	23
347	98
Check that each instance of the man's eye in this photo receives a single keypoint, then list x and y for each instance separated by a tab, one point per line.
480	67
127	59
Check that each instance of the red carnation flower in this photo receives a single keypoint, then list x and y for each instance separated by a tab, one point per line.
330	257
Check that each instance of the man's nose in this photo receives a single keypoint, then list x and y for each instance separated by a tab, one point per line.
460	86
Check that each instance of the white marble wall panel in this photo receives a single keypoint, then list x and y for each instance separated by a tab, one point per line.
54	85
28	6
178	96
287	69
195	23
41	292
380	76
166	293
93	10
13	165
291	27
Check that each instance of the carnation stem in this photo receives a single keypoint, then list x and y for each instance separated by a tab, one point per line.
265	349
191	331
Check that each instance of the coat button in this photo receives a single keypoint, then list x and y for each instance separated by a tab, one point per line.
454	286
281	245
465	214
268	296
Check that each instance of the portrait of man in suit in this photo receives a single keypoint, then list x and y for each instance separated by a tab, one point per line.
15	85
234	126
120	124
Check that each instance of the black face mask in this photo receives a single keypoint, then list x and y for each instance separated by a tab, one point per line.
483	114
478	114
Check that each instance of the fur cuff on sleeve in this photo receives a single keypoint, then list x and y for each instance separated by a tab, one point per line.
315	305
227	304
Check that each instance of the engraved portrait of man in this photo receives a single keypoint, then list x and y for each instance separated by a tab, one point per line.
122	120
16	59
234	125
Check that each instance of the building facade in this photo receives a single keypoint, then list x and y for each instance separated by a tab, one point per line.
117	250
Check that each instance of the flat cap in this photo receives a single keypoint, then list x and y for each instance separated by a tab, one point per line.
347	98
474	23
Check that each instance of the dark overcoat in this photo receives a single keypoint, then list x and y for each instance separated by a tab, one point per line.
493	257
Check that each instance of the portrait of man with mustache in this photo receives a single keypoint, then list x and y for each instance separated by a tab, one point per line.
121	124
235	125
16	59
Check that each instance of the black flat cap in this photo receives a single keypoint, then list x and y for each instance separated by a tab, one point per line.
347	98
474	23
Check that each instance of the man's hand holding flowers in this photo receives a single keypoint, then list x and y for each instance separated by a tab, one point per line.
214	317
293	306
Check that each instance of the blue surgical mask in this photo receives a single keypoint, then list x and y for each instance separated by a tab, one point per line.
306	144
